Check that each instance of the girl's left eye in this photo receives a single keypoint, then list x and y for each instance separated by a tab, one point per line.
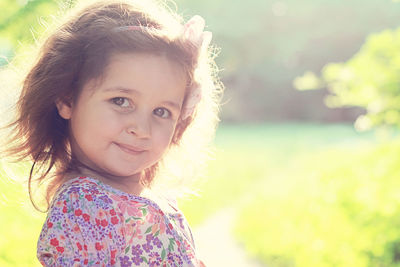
121	102
162	112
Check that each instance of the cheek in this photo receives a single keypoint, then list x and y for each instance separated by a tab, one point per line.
94	125
162	136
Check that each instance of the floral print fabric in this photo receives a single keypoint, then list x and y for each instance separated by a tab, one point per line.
92	224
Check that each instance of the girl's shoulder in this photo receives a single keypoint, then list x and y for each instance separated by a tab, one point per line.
80	189
85	195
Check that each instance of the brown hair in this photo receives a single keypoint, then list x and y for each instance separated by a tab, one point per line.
78	51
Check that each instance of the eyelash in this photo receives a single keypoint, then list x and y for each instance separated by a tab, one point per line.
116	99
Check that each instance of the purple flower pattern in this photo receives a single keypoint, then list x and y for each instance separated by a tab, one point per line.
92	224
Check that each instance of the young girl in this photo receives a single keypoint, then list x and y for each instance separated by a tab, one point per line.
117	89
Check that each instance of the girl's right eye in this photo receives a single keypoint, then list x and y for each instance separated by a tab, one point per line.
121	102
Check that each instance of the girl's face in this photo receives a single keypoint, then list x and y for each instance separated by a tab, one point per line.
126	123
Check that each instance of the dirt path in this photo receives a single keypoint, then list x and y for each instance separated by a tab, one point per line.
216	245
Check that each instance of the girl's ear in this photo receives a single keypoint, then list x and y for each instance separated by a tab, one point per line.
64	108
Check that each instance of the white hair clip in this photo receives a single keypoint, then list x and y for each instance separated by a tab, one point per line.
193	31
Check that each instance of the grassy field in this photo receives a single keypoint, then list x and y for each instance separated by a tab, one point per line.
326	196
308	195
276	177
335	207
249	155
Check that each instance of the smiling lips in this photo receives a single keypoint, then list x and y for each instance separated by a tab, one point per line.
130	149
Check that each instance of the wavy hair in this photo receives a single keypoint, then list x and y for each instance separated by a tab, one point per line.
78	50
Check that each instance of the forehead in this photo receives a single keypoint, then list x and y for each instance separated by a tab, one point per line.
150	73
145	63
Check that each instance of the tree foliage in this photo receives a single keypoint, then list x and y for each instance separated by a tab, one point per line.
21	22
370	80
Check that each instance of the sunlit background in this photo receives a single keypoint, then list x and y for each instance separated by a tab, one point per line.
307	163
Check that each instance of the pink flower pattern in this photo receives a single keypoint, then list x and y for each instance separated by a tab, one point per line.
92	224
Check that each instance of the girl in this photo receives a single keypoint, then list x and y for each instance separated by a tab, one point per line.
116	92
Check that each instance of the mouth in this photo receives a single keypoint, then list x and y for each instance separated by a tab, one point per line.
130	149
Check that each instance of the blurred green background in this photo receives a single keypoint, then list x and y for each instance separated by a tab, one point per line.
307	153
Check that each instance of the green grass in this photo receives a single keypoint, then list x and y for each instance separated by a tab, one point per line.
249	155
337	205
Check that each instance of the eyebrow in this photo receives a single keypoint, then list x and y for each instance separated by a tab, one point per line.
172	104
122	90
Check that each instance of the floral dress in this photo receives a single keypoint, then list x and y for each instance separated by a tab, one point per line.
90	223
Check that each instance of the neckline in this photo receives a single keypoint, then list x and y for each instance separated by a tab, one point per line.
117	191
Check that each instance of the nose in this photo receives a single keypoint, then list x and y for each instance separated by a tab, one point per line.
139	125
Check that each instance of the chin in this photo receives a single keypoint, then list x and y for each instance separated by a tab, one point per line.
126	170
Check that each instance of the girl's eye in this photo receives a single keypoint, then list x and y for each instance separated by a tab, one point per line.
162	112
121	102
